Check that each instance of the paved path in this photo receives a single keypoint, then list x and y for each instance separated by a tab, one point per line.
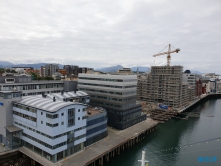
115	137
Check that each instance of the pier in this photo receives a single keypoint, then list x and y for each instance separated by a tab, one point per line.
116	142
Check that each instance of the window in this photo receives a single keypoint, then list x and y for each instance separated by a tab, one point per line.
41	122
62	123
41	113
52	125
78	118
52	116
79	110
62	114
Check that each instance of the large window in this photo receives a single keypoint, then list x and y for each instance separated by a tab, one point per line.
71	117
25	116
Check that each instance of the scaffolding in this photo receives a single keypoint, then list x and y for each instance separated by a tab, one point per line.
164	85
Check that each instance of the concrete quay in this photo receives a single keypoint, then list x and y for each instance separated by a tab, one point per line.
115	143
201	99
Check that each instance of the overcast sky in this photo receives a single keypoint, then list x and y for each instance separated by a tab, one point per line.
101	33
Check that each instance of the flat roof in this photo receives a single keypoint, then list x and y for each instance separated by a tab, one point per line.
46	104
108	76
91	111
13	128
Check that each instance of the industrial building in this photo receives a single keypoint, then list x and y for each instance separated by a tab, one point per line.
117	94
54	126
164	84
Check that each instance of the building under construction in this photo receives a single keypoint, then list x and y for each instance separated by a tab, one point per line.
164	84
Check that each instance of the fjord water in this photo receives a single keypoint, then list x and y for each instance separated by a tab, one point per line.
177	133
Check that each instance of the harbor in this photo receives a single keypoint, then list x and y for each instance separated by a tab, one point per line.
180	142
114	144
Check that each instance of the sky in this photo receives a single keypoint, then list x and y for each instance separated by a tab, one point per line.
103	33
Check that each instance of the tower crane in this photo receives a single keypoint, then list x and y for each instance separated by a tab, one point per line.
168	54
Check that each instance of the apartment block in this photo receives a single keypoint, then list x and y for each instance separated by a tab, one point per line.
164	84
48	70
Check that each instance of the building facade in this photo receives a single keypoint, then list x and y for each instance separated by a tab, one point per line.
54	126
72	71
48	70
28	86
117	94
164	84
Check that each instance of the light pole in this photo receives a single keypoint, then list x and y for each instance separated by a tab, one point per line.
143	161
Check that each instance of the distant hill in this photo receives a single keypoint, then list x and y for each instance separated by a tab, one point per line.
114	69
34	65
110	69
5	63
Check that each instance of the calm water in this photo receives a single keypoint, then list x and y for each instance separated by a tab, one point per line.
176	133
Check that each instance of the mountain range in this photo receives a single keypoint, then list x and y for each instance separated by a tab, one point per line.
112	69
6	64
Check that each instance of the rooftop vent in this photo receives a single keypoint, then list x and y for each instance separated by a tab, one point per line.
44	95
54	99
89	112
62	92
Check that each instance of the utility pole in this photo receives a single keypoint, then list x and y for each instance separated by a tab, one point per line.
143	161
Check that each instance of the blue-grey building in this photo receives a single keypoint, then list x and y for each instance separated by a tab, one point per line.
54	125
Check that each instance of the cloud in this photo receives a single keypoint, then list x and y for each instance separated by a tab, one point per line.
104	33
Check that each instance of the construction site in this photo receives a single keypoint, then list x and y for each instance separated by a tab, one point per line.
164	85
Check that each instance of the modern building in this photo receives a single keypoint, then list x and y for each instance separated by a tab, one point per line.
84	69
117	94
54	126
96	125
164	84
48	70
71	70
28	86
189	78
